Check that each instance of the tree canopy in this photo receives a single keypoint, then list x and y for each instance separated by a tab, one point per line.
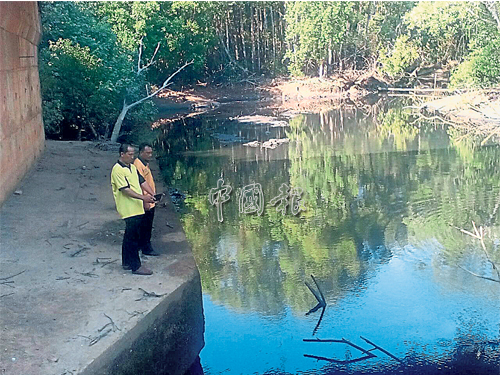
89	55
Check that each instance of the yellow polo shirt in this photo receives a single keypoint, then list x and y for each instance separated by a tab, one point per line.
144	171
123	176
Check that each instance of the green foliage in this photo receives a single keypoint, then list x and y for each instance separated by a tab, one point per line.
439	33
400	58
83	73
89	50
395	124
441	29
183	30
387	22
130	21
314	30
481	68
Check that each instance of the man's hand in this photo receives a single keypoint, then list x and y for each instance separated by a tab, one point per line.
148	198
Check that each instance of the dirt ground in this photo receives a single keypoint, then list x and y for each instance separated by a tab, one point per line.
271	96
474	111
64	297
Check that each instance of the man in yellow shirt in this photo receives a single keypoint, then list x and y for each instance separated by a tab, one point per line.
142	165
127	186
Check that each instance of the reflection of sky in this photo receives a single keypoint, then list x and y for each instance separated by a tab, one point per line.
401	309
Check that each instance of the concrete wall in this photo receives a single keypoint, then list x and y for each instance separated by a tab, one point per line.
167	341
21	128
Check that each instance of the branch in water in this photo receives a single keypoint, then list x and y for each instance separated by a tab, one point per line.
475	274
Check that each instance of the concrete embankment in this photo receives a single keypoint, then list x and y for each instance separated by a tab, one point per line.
66	304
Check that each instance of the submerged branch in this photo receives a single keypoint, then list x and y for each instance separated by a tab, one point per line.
479	234
475	274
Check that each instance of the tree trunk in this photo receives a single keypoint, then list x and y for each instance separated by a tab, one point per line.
227	31
252	36
118	124
126	107
242	33
273	36
330	56
259	39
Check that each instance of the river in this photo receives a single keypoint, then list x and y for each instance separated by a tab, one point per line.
368	211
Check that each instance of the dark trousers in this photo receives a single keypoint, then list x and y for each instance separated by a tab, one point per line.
147	227
131	242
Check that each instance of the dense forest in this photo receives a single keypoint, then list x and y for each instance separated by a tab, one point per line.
99	61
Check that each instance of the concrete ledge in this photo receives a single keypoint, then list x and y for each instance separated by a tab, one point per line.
69	307
166	341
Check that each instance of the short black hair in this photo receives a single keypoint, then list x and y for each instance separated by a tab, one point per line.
124	147
142	146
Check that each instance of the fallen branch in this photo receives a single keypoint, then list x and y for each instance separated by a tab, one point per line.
111	322
10	277
319	297
88	274
367	353
381	349
96	339
126	107
149	294
134	313
82	225
79	251
104	264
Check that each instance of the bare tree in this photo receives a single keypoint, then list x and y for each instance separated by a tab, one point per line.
140	69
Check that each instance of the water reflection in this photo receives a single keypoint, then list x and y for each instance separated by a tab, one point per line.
384	196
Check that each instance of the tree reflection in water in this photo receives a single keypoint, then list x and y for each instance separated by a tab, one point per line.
383	195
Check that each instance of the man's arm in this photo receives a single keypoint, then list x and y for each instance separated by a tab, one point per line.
146	198
147	188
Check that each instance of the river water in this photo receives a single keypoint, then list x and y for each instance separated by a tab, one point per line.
368	203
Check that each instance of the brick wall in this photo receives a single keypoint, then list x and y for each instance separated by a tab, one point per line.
21	128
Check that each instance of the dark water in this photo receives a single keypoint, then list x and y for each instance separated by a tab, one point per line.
385	196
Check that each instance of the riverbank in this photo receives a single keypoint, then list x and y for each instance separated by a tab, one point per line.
473	113
271	95
66	304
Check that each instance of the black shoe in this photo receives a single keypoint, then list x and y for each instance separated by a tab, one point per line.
142	271
152	253
126	267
